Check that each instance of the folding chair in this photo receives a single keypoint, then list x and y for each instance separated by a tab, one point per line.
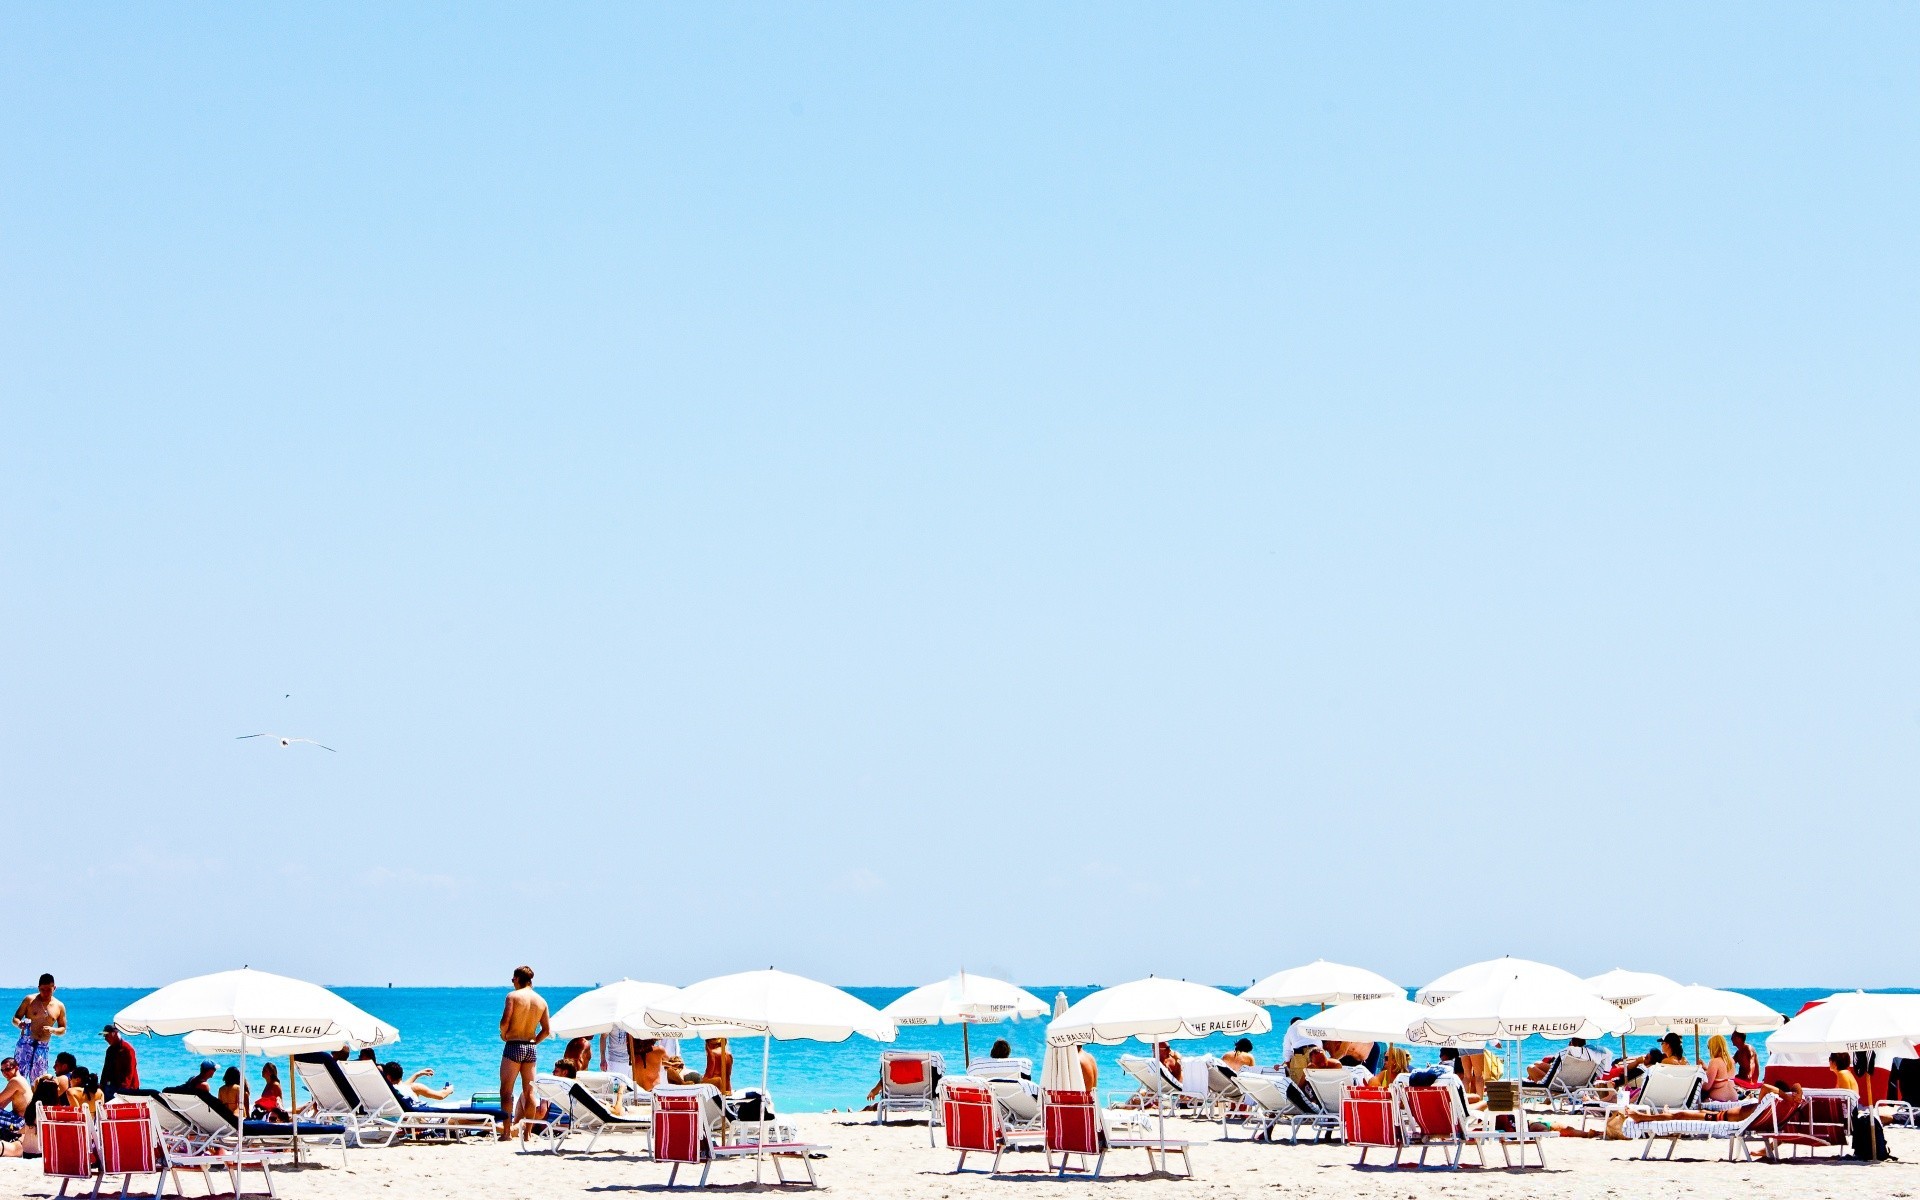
1434	1120
129	1145
970	1115
66	1144
906	1086
1369	1120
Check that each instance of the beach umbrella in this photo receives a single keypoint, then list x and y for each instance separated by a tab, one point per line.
1494	970
1060	1070
1852	1023
1381	1019
208	1042
1702	1010
1059	1003
1155	1010
1323	983
774	1005
965	1000
1519	1008
250	1005
1621	987
604	1008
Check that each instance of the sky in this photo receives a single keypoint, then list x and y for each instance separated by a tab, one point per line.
1069	491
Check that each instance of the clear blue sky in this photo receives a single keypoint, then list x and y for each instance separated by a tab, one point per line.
1073	491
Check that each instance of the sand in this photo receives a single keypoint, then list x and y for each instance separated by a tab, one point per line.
896	1161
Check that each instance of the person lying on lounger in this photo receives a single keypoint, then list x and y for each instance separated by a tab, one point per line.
413	1089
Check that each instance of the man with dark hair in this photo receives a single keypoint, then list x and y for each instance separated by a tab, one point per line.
197	1086
16	1093
121	1070
523	1026
41	1018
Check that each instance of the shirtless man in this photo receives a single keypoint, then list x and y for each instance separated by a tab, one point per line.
1090	1073
719	1070
15	1095
649	1063
523	1026
41	1018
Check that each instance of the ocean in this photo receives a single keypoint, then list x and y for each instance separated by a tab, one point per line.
453	1030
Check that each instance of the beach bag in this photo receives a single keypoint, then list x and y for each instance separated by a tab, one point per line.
1869	1139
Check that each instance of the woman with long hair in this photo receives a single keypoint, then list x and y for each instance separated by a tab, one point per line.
1720	1071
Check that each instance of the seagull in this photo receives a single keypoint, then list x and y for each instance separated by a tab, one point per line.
285	741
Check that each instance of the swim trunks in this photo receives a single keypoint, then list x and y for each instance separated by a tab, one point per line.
518	1052
31	1056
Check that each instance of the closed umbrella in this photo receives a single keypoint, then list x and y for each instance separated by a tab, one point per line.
1155	1010
965	1000
1701	1010
1320	982
774	1005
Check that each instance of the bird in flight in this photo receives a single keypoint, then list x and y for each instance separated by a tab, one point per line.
285	741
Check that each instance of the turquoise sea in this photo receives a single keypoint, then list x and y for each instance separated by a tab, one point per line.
452	1030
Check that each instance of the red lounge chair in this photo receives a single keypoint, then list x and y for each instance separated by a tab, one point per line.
1822	1120
128	1144
66	1144
1368	1120
686	1123
1433	1120
1071	1125
971	1118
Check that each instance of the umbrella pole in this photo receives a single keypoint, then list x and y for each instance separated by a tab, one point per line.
966	1047
240	1118
293	1114
766	1053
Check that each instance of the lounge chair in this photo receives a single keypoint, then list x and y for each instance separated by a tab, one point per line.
66	1144
1666	1088
1734	1133
1156	1082
1370	1120
267	1141
1275	1098
330	1098
1567	1079
1823	1120
579	1111
129	1145
970	1114
907	1079
687	1131
383	1113
1434	1117
1223	1091
1072	1125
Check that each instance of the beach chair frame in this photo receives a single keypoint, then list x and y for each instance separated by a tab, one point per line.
907	1086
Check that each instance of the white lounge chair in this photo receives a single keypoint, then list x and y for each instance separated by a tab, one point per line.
1567	1078
1734	1133
579	1111
1275	1098
907	1079
1326	1087
1155	1081
385	1116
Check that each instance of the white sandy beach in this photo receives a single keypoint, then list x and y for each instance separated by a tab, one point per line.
896	1162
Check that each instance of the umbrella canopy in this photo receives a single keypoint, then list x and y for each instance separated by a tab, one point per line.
1849	1023
1702	1010
772	1004
1625	988
1521	1008
1494	970
1320	982
965	999
1154	1010
1059	1003
604	1008
256	1003
286	1047
1060	1070
1382	1019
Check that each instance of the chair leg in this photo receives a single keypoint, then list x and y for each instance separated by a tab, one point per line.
673	1174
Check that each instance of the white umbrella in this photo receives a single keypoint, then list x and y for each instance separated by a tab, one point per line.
1322	983
1156	1010
603	1009
1518	1009
965	1000
1382	1019
1494	970
1060	1070
250	1005
1852	1022
205	1043
772	1004
1059	1003
1625	988
1701	1010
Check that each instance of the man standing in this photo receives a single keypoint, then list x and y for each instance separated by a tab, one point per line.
523	1026
41	1018
121	1070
